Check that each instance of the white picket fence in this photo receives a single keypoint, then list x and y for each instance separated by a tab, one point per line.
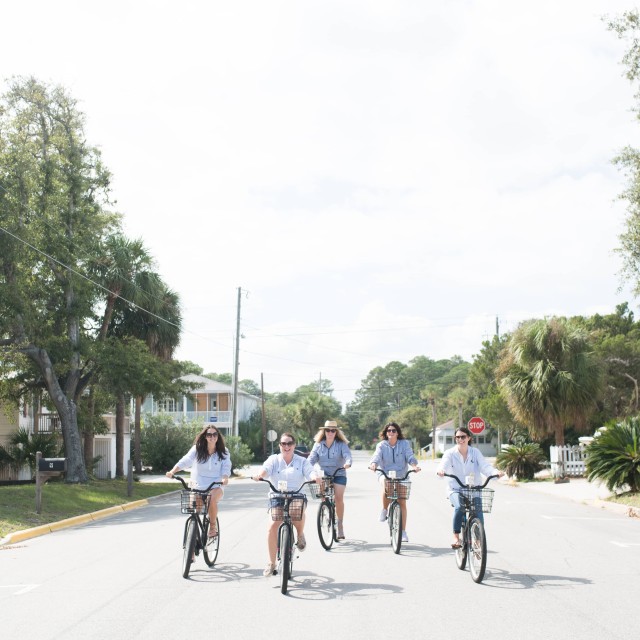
567	461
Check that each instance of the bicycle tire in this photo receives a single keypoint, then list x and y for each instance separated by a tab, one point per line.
212	544
285	557
326	531
395	526
477	550
461	552
191	531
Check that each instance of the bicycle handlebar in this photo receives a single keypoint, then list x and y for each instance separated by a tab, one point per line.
184	484
398	479
287	491
331	476
464	486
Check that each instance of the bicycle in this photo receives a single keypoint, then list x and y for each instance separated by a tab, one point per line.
327	531
195	502
286	506
472	535
396	489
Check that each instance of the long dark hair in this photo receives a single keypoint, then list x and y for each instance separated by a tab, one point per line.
202	451
396	426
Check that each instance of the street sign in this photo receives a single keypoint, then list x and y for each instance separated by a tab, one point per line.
271	435
476	425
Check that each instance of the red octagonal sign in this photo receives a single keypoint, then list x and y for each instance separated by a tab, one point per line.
476	425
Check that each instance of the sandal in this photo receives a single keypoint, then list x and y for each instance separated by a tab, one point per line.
213	532
456	545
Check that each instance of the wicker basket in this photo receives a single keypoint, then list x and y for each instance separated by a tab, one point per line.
192	502
297	502
397	489
480	499
320	491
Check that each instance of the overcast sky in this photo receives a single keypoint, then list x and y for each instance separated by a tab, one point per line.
382	179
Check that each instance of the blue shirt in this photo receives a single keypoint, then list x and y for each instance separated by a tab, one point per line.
396	458
331	458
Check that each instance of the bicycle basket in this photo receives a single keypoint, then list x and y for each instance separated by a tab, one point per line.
297	502
192	502
320	491
397	489
482	499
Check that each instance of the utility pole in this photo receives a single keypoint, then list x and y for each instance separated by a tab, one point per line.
435	422
234	411
497	328
264	419
460	425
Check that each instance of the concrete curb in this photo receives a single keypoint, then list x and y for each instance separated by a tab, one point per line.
26	534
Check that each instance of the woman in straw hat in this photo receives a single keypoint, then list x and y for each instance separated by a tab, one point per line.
330	452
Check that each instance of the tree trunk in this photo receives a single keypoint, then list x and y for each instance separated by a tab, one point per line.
67	410
89	434
559	435
120	436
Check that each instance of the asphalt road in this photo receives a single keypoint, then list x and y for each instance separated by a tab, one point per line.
556	569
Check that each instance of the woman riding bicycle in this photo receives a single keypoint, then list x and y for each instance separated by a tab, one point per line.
330	452
293	469
393	453
463	461
209	461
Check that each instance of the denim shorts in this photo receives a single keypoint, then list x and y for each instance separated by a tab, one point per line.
340	480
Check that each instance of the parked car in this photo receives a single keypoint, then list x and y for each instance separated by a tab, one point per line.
303	450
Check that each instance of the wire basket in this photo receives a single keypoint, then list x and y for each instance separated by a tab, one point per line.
479	499
397	489
320	491
297	502
193	502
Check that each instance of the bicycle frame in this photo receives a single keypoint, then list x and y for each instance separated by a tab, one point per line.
195	537
394	511
327	512
472	534
286	533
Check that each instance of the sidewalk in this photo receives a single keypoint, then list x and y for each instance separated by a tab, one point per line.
579	490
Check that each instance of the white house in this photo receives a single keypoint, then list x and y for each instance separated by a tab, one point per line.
211	402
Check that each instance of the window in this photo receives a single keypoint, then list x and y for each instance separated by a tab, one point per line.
167	405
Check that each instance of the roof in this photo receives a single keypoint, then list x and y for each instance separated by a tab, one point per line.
213	386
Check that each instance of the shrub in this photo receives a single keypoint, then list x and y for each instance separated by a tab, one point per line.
614	455
163	442
23	447
241	454
522	460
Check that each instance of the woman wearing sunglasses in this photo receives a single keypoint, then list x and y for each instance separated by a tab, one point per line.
463	461
331	452
393	453
209	461
294	469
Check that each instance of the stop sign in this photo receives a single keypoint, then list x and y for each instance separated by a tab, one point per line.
476	425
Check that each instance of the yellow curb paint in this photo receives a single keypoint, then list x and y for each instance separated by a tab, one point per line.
70	522
25	534
105	513
134	505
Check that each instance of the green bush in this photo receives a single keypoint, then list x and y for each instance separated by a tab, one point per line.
241	454
23	447
163	442
614	455
522	460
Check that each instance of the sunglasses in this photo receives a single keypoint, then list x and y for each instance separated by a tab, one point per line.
330	430
213	434
287	444
392	431
461	437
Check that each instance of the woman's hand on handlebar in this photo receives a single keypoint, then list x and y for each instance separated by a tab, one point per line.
373	466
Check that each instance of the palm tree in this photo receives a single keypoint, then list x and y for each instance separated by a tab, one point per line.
157	322
549	377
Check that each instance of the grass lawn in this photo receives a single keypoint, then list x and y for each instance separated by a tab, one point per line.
60	500
628	499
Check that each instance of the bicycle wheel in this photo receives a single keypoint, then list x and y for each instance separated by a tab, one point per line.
285	557
212	544
190	533
395	526
461	552
325	524
477	550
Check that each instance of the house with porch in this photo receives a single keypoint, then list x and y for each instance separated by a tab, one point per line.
212	401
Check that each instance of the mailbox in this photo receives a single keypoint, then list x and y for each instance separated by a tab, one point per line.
52	464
